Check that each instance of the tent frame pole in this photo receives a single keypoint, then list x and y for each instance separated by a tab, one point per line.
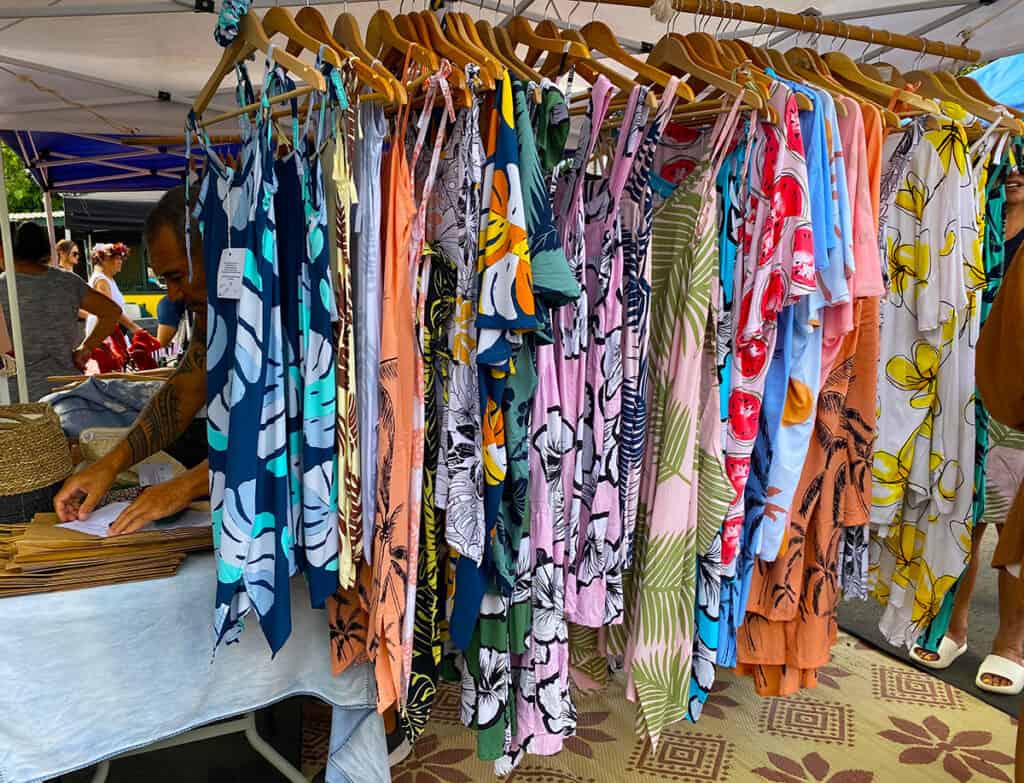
50	228
12	291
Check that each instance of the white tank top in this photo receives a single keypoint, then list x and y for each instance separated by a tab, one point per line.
115	294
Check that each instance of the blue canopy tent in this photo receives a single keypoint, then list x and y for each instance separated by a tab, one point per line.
75	163
91	163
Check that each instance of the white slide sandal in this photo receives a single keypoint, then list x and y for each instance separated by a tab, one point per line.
948	652
999	666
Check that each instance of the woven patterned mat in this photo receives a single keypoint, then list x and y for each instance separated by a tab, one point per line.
871	720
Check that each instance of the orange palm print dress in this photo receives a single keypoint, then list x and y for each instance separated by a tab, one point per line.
368	619
790	625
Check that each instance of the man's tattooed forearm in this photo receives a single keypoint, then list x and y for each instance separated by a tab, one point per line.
158	425
169	412
194	359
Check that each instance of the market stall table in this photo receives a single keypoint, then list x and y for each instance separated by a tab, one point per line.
93	674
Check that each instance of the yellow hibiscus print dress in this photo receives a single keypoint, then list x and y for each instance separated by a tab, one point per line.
924	455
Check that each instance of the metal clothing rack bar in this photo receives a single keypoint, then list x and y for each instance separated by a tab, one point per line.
813	24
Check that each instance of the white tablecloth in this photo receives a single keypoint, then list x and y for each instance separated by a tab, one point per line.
90	674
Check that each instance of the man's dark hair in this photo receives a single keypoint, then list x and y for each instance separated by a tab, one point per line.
31	243
170	212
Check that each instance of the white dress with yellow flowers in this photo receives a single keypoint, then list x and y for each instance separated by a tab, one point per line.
924	455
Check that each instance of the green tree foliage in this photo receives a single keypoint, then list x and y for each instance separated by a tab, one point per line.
23	194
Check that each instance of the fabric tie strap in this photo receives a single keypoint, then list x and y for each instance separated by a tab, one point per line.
231	13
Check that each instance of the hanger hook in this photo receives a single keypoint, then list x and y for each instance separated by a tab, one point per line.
739	24
593	12
864	54
760	27
921	54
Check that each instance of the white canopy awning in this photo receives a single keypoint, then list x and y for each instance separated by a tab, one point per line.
123	66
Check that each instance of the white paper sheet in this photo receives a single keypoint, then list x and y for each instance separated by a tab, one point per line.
99	522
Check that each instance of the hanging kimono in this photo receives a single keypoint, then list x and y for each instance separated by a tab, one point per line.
349	467
777	268
790	625
663	589
368	620
546	716
925	450
595	502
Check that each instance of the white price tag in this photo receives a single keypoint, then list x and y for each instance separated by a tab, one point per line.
229	273
151	473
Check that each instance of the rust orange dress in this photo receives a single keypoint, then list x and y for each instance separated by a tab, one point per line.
367	620
790	624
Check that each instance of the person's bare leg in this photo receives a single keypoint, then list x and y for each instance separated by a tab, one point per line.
1009	639
957	631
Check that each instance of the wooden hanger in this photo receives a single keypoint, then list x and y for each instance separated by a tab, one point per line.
251	38
951	84
807	68
590	69
410	32
546	29
703	48
883	72
670	55
846	71
754	54
562	52
545	38
278	21
932	87
382	34
970	85
498	41
386	33
346	31
466	39
717	58
600	37
428	26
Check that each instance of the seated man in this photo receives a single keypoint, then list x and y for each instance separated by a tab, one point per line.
174	406
168	318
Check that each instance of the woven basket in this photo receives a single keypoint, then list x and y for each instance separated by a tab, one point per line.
34	460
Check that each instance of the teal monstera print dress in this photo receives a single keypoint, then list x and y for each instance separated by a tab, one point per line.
259	537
